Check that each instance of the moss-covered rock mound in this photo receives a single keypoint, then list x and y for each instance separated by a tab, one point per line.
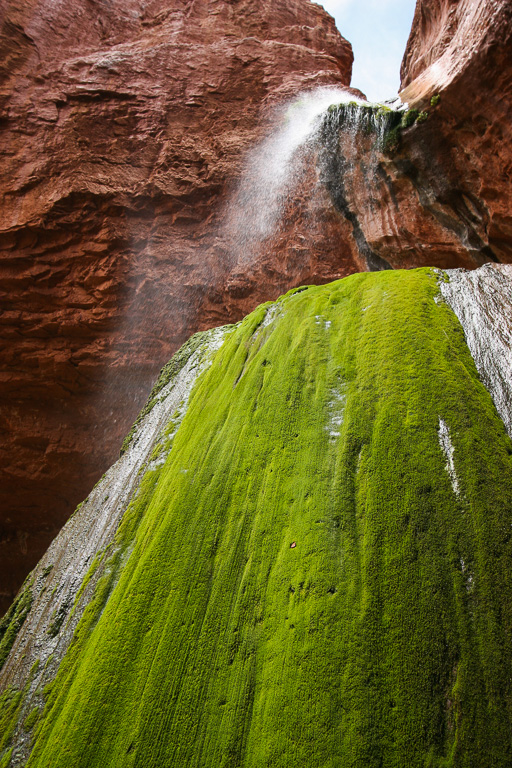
314	569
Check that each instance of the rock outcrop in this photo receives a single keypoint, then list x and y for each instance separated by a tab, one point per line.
302	556
468	152
482	300
441	194
124	127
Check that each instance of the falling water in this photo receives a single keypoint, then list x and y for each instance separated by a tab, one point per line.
275	166
378	120
303	140
275	169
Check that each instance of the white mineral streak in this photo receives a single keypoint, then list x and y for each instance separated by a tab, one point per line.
319	320
336	410
446	445
468	576
273	313
482	301
89	531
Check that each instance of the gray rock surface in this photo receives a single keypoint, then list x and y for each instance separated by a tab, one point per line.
482	301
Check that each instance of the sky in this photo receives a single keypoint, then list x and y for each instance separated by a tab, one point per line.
378	31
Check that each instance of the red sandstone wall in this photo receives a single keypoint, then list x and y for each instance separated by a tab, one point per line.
444	197
123	130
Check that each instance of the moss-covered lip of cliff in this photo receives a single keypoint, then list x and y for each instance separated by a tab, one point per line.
386	121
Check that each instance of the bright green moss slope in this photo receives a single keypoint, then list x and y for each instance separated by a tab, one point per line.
383	638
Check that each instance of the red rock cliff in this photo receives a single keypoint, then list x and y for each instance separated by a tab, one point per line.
123	129
463	52
442	194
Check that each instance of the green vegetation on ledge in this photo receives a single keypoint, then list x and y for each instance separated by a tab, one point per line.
387	124
303	584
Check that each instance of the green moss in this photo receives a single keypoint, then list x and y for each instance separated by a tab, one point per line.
375	119
32	719
14	618
434	101
413	116
409	118
10	703
386	123
392	140
79	506
168	372
97	560
34	668
383	637
110	561
58	618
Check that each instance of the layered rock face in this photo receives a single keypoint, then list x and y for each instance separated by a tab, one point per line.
302	556
441	194
463	51
124	128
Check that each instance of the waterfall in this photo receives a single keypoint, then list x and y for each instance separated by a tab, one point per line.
274	170
382	121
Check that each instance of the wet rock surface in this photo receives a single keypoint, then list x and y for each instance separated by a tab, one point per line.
482	300
64	581
124	128
316	469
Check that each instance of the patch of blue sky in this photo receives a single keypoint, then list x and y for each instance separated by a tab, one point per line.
378	31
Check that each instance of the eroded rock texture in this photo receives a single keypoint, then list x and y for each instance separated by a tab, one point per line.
123	129
442	194
482	300
463	51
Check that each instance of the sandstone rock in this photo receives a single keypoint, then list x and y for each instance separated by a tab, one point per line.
463	52
125	130
124	127
443	196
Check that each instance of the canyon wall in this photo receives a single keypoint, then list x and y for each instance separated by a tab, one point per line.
440	193
303	553
125	131
124	128
463	51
